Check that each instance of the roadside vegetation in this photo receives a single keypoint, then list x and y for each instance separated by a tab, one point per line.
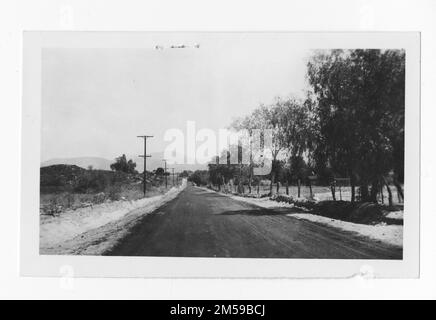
340	150
69	187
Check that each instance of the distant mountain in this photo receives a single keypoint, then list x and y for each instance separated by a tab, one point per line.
83	162
153	162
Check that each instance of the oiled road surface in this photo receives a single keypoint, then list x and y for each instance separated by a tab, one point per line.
200	223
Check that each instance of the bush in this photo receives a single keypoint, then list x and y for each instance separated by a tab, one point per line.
122	165
366	212
266	195
334	209
199	177
114	192
60	177
91	181
353	212
283	198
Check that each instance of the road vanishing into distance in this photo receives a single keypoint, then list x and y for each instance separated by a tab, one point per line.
200	223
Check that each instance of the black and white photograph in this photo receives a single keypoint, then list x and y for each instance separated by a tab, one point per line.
229	147
223	145
219	155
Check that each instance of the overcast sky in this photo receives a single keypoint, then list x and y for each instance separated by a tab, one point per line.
96	101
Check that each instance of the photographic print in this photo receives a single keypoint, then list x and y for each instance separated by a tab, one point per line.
223	145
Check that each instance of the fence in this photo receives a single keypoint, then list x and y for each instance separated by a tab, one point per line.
320	193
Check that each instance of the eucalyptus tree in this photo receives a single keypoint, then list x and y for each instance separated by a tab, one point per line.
266	118
295	119
360	112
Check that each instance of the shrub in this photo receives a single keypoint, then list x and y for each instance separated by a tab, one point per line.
122	165
114	192
282	198
354	212
91	181
366	212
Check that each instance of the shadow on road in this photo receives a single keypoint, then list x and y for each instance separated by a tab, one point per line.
262	212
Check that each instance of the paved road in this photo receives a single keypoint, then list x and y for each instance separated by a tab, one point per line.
199	223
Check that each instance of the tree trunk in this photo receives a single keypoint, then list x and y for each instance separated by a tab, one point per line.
240	187
258	187
271	184
389	194
374	191
287	187
353	190
310	189
400	192
333	189
299	188
364	193
278	187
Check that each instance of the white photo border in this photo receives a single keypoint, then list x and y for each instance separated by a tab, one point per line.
33	264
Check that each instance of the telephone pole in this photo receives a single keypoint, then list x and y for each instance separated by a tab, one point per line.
165	173
145	156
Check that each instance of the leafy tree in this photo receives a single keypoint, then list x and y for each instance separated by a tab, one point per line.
270	118
289	120
160	171
122	165
360	115
199	177
351	124
296	118
299	170
221	171
185	173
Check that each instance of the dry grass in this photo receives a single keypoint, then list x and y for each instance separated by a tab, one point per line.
55	203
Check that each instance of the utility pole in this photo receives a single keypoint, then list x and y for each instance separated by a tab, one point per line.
165	173
145	156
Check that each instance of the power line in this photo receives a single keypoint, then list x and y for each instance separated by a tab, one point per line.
145	156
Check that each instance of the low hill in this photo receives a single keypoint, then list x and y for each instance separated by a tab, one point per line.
60	175
64	177
83	162
97	163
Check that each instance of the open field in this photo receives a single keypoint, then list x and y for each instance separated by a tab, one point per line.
68	187
91	230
